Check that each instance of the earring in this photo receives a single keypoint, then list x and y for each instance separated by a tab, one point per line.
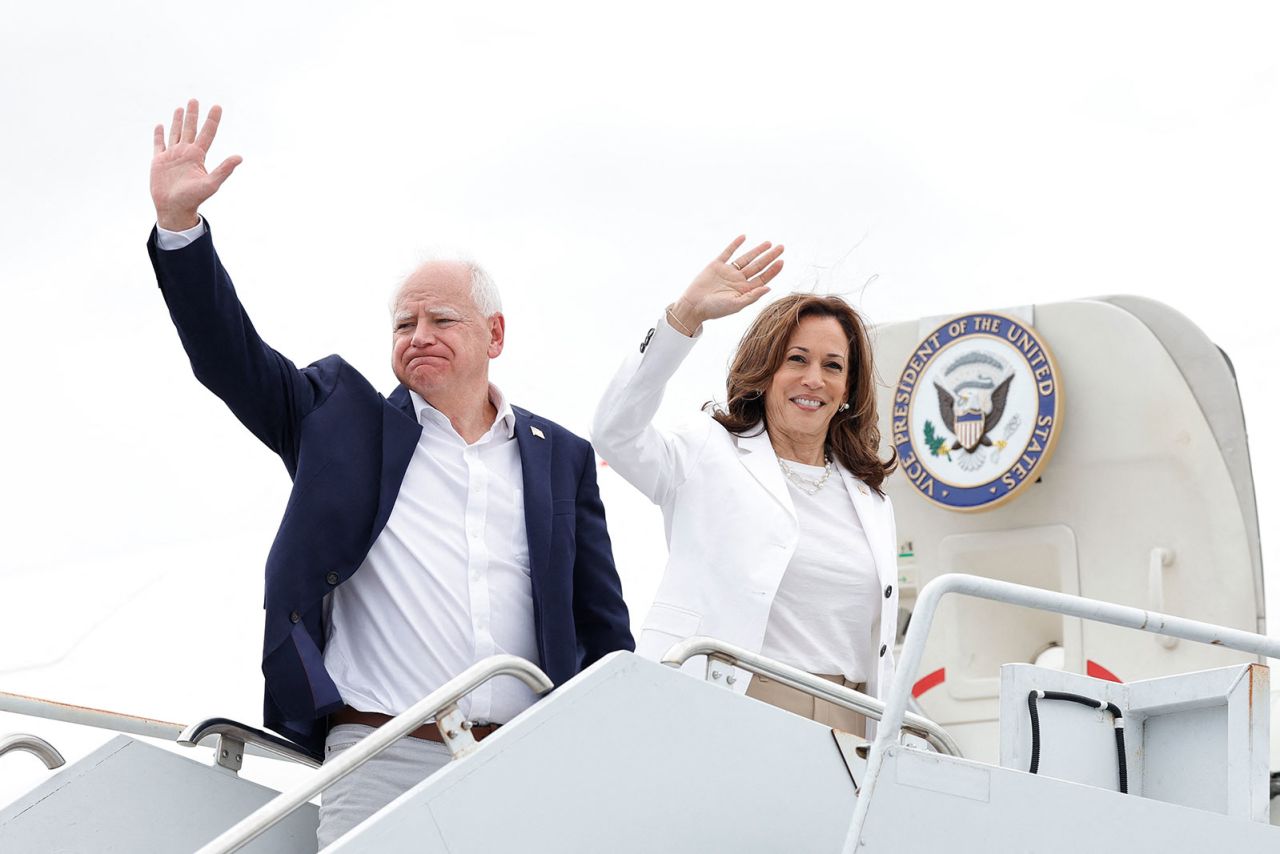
842	407
754	394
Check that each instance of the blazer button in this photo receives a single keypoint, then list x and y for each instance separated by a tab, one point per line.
645	342
883	649
332	578
295	617
888	591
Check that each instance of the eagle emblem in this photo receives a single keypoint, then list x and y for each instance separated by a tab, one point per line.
997	413
974	402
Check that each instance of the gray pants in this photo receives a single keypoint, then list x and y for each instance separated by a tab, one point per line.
374	784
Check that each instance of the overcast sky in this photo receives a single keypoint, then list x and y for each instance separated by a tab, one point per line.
920	159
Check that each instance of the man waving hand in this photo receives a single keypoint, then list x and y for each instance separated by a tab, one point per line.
425	530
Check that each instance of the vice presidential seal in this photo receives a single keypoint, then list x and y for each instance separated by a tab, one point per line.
976	412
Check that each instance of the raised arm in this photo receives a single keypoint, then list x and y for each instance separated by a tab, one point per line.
180	183
264	389
622	431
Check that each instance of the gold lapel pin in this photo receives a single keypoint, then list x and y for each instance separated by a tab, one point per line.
535	431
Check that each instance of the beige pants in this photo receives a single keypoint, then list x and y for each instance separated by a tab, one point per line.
806	706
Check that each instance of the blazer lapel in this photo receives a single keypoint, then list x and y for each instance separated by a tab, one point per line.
756	453
871	510
534	439
400	432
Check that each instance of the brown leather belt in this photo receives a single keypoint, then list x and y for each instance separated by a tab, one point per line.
426	732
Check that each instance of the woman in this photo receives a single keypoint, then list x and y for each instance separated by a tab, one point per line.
781	539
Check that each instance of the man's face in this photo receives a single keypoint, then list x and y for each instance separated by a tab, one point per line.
441	344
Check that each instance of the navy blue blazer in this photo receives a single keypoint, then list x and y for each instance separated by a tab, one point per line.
346	447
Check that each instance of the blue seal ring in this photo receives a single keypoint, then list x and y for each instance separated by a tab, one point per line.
1033	456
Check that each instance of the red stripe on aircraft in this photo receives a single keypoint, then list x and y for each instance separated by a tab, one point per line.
1097	671
933	680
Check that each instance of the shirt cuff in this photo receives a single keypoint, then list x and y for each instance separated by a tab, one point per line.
170	240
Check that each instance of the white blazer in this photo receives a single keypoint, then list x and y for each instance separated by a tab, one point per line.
730	524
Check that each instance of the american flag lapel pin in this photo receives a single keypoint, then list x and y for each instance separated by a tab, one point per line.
535	431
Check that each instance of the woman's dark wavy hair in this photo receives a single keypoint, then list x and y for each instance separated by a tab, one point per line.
853	437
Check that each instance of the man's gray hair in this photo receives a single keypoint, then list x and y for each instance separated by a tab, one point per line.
484	290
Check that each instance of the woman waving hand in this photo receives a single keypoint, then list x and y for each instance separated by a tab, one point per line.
780	537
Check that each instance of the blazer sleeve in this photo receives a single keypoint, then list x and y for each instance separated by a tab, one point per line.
623	432
600	615
264	389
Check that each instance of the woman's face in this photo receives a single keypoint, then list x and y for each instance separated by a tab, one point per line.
812	382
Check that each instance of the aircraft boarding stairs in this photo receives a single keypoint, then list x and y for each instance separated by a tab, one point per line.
634	756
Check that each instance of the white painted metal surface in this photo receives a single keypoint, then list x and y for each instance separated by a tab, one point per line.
629	757
998	591
128	797
632	756
1211	378
929	802
1199	739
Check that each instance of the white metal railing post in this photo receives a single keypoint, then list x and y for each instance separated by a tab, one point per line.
439	700
1030	597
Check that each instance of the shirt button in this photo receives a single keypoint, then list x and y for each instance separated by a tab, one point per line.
331	578
295	617
888	591
883	649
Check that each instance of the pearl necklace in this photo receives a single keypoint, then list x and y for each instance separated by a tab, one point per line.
804	484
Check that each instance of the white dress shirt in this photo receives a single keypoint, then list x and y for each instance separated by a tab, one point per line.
447	581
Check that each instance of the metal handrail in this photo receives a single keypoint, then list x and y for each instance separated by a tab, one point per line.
440	704
33	744
233	736
53	710
1029	597
815	686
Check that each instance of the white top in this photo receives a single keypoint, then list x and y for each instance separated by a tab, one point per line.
829	598
447	581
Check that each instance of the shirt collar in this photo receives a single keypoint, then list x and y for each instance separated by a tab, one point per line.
428	414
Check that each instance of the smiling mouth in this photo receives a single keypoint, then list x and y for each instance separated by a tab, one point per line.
808	404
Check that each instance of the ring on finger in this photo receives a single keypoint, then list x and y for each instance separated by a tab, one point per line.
738	266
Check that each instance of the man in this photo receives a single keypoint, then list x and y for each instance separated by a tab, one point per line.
425	530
